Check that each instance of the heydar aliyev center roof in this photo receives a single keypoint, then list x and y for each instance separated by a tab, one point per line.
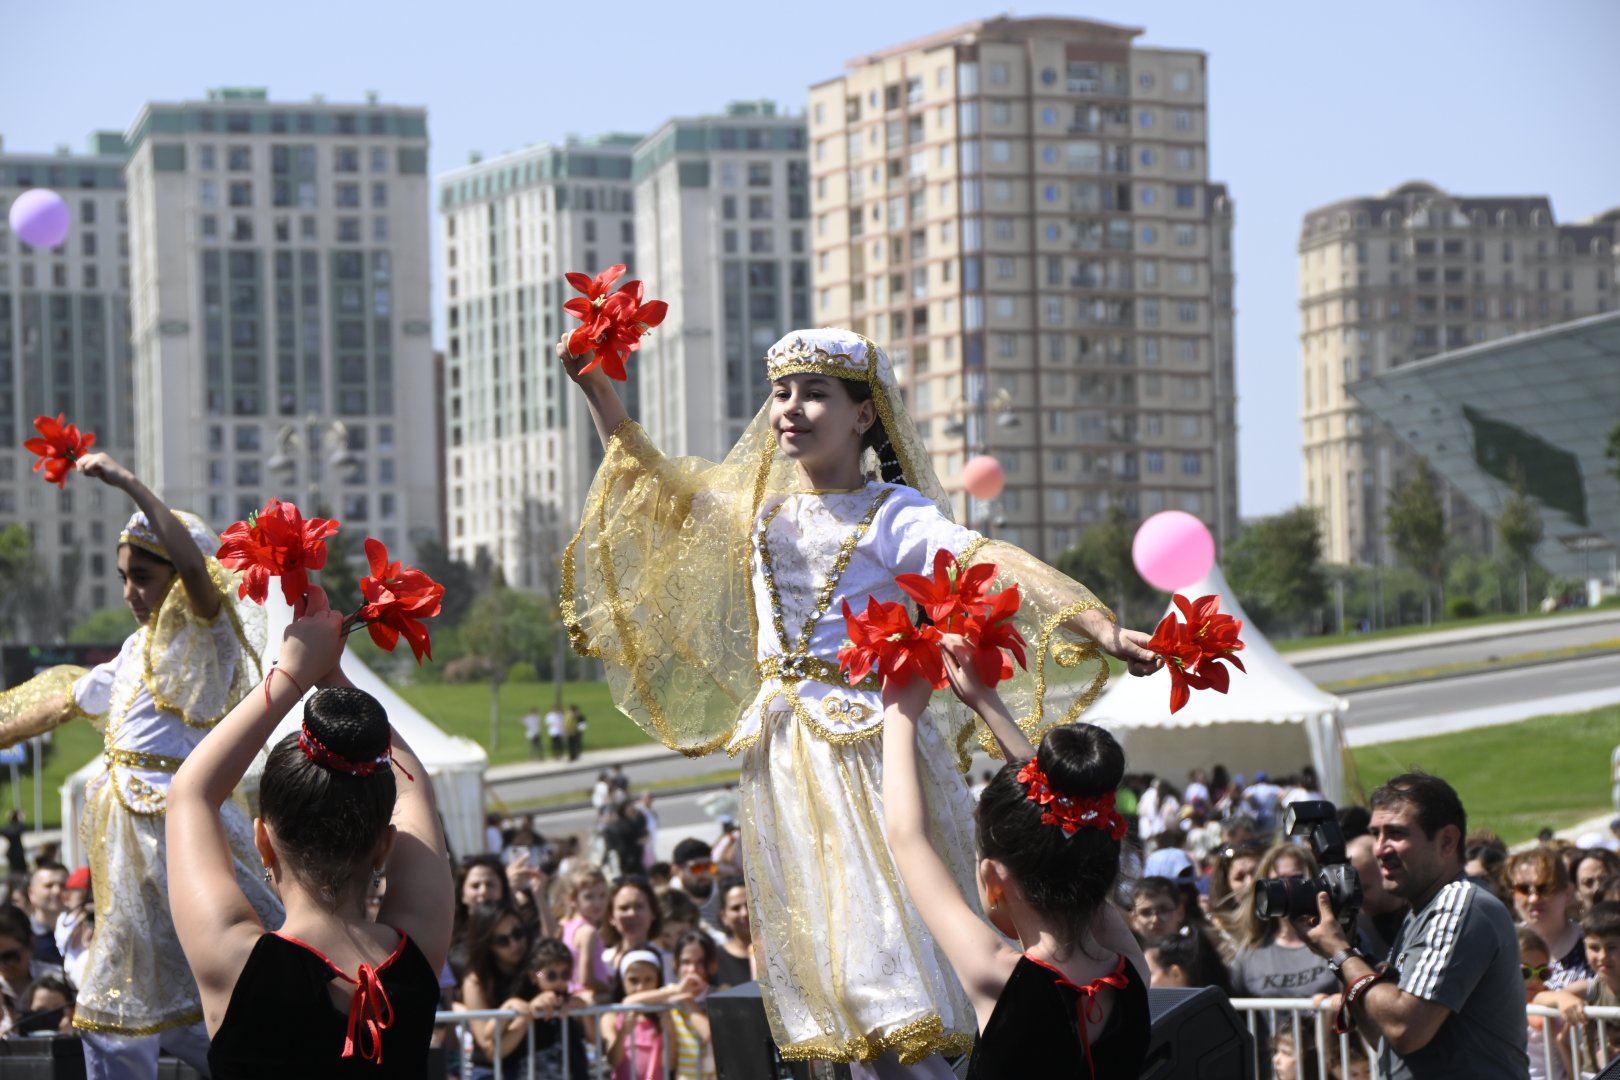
1541	405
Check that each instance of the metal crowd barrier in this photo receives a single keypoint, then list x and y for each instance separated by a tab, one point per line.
1316	1021
598	1065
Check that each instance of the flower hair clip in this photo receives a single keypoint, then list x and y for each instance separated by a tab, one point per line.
1071	814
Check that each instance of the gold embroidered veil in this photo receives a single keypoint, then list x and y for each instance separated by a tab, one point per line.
658	583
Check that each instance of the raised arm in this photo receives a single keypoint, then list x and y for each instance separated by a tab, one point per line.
982	961
607	411
216	924
190	564
421	898
47	714
982	699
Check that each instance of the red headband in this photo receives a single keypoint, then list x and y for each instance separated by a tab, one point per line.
317	752
1070	813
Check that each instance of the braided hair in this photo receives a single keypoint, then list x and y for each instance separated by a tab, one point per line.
328	822
877	438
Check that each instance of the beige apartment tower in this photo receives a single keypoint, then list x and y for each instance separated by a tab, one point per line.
1389	279
1020	211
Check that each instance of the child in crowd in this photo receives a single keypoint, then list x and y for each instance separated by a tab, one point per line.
1291	1059
638	1043
1535	962
697	959
585	901
1187	959
677	914
1048	860
1601	927
1356	1065
1156	911
553	966
48	998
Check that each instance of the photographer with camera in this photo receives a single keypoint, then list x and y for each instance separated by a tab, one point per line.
1449	1002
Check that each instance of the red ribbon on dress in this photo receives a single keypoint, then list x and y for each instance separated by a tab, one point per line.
1087	1009
370	1014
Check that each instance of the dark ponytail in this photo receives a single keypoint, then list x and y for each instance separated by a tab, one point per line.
1066	877
877	438
327	820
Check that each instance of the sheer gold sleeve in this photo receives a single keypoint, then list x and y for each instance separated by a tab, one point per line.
42	703
1067	670
656	584
199	668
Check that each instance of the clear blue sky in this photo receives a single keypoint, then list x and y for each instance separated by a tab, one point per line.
1308	102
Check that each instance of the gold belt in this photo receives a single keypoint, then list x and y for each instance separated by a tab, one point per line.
777	666
137	759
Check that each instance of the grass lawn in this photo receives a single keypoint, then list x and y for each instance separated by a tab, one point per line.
1514	778
463	709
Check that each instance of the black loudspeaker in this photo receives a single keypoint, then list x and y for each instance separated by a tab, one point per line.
1611	1072
1197	1035
743	1047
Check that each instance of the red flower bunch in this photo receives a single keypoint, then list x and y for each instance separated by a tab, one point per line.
59	446
275	542
959	604
884	636
396	602
612	322
1069	813
1196	650
278	542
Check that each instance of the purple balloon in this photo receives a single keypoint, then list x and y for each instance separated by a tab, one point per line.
40	217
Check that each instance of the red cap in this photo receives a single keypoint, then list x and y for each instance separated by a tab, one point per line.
79	879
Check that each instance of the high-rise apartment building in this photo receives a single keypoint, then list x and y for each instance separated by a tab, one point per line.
64	348
1020	210
1397	277
722	217
281	310
521	449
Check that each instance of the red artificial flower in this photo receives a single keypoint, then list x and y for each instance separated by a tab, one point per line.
948	602
1194	651
396	602
59	447
1069	813
996	641
275	542
883	637
611	322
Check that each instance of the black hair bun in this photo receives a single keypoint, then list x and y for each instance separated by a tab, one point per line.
348	722
1081	760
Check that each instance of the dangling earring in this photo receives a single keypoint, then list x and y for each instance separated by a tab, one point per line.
267	875
376	876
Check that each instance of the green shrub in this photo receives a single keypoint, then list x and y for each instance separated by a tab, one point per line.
1462	607
522	672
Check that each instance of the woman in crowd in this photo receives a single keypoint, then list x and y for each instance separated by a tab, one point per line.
735	964
632	922
1594	867
498	976
1272	959
1544	901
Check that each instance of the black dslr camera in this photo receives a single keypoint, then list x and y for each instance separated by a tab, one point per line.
1295	897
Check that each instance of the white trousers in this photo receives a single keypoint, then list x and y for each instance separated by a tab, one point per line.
129	1057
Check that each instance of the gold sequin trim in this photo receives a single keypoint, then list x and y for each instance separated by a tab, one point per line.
840	711
139	759
1067	655
778	666
846	551
80	1023
912	1042
965	559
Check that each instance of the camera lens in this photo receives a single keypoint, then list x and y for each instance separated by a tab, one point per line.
1286	898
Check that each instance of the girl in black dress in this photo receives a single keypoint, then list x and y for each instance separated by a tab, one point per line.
331	993
1073	999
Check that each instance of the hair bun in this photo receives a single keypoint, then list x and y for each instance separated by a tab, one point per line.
1081	760
349	722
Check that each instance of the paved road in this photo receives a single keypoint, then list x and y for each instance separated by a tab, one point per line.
1516	639
1447	702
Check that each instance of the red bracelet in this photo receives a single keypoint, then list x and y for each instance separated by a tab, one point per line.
274	670
1353	994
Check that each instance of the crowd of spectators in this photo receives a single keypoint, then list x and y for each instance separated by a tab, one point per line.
1193	906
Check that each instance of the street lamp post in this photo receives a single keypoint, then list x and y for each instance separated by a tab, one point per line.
316	438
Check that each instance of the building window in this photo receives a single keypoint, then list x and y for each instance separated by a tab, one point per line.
239	158
1192	464
1144	119
759	174
1181	120
1154	460
1145	80
1186	196
1000	75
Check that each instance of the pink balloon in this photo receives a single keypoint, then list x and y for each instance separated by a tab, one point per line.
1172	550
982	476
40	217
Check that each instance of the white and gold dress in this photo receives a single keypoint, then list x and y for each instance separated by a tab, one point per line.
713	593
172	681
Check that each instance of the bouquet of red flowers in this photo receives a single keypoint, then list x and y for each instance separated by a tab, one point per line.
59	446
1195	650
279	542
612	322
885	638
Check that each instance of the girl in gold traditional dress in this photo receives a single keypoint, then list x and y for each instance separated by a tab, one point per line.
193	655
713	594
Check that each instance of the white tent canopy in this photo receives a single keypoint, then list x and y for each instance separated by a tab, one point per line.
1273	718
456	764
